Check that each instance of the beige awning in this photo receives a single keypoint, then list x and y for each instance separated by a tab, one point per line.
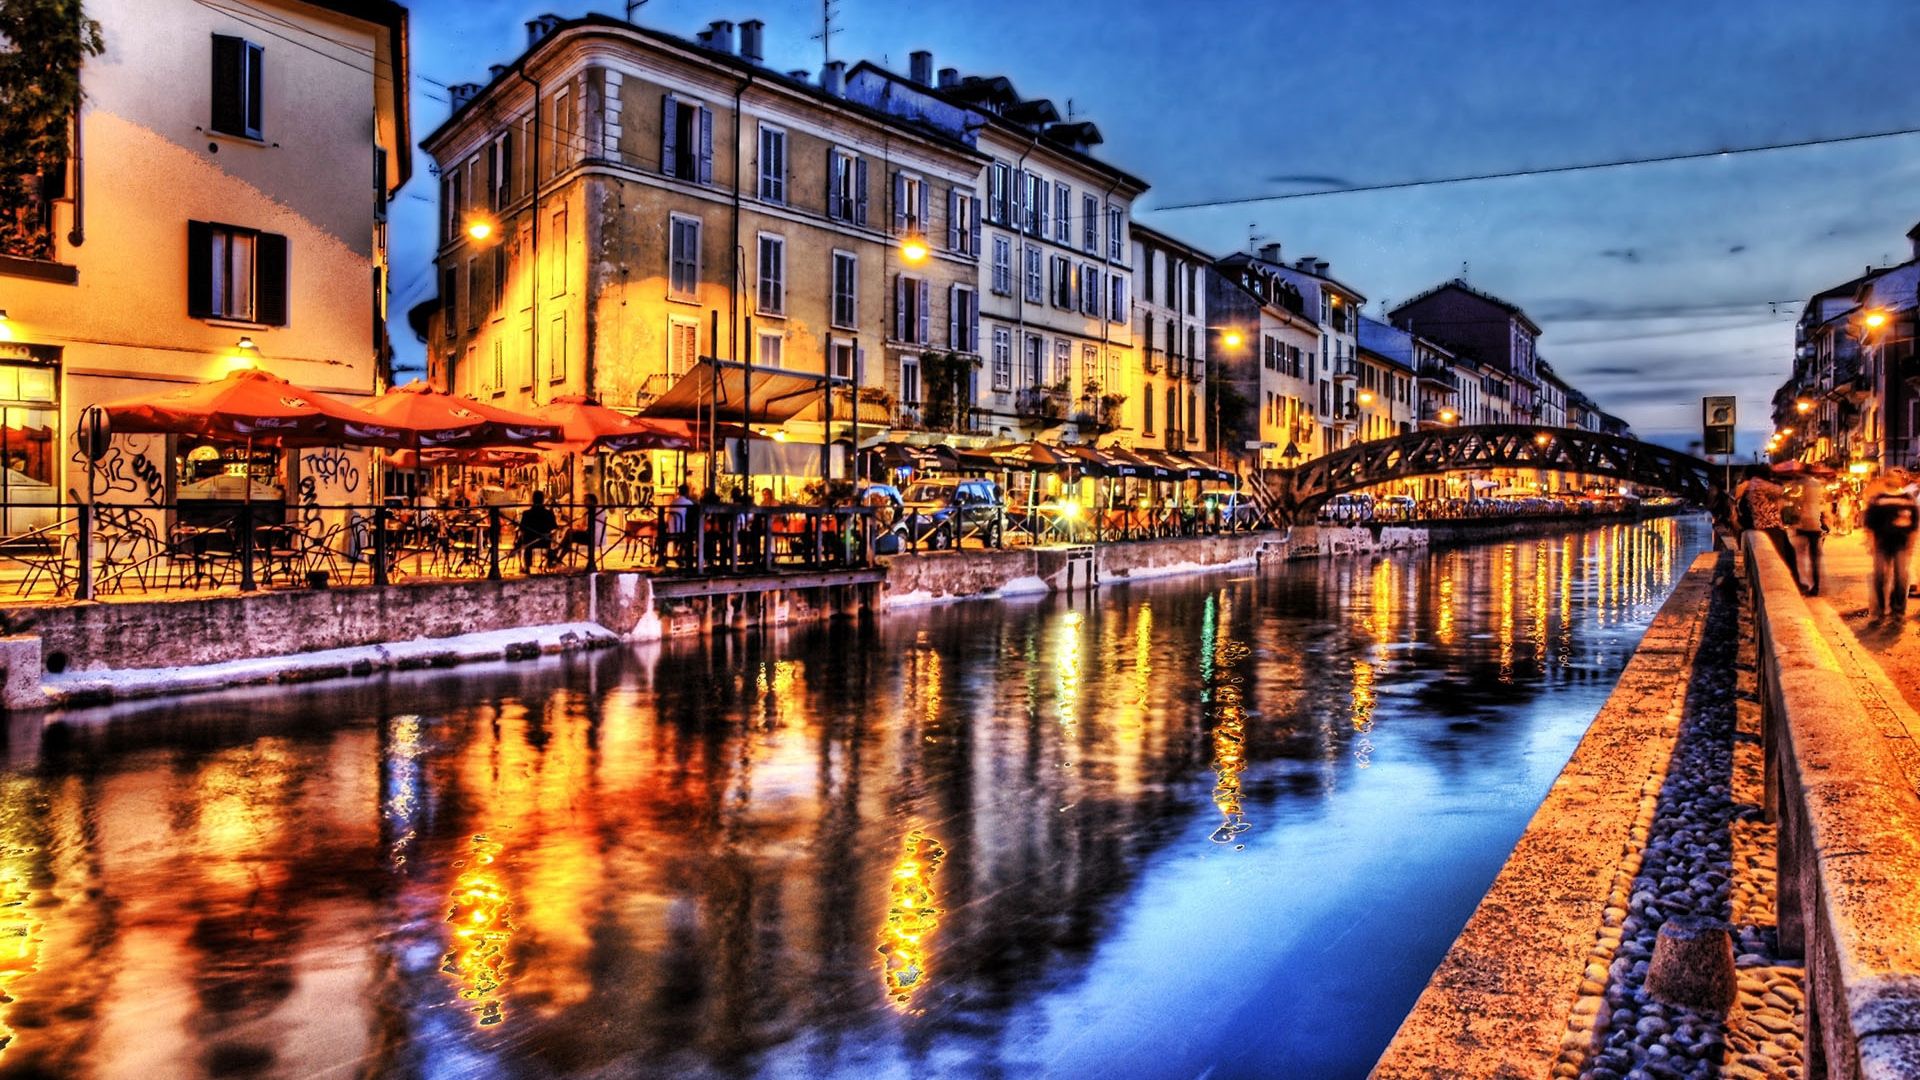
773	396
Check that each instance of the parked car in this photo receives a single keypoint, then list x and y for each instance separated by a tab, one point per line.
1234	509
945	512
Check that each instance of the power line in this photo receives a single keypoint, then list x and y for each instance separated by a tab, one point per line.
1549	170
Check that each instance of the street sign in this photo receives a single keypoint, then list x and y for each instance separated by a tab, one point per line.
1256	444
1718	418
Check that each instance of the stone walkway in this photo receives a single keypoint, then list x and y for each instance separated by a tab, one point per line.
1882	659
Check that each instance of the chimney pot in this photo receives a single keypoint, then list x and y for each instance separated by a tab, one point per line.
1320	267
494	71
461	93
1271	253
833	78
800	75
920	67
718	36
750	40
950	78
538	29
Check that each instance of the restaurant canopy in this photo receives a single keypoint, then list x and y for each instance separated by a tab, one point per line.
588	427
738	394
1029	456
250	405
432	420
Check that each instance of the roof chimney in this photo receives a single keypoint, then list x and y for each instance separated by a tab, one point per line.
950	78
1320	267
1913	234
920	67
750	36
1271	253
494	71
800	75
539	28
461	93
833	78
718	36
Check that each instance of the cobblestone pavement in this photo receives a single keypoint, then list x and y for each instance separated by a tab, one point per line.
1700	848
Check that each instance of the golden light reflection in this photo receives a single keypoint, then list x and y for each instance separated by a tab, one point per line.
912	917
1066	670
482	930
1542	565
1506	613
1362	714
403	785
1229	743
1443	629
19	931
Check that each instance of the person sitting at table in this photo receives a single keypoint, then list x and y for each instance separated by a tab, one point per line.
536	528
677	523
590	532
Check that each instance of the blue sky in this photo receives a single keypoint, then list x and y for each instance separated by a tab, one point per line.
1653	283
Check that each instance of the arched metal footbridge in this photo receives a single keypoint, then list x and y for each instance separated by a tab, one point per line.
1298	492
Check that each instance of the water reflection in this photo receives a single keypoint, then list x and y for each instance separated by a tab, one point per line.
975	840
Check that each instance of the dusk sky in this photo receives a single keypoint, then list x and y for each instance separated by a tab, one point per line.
1655	284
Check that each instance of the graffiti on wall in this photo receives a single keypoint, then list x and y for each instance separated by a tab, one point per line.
627	478
129	468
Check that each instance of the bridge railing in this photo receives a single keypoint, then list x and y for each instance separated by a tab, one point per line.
1849	842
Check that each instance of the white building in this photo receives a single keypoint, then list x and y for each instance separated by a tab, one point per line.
1170	327
228	179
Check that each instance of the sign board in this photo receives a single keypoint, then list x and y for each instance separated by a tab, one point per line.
1256	444
1717	415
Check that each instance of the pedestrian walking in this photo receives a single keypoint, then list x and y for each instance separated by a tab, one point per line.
1758	500
1805	513
1890	519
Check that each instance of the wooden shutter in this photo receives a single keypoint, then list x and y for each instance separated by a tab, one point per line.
270	279
953	316
836	209
953	219
860	191
199	270
379	183
255	55
976	228
229	107
448	293
925	328
925	218
899	307
668	146
706	145
899	202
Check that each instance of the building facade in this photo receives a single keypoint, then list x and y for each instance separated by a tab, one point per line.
1479	325
1170	330
245	203
1266	381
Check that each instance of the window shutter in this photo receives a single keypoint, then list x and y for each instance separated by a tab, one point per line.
926	314
1018	200
899	308
860	191
953	316
1040	200
706	145
255	56
270	279
924	218
199	270
976	228
452	285
972	325
228	108
953	219
505	194
379	183
899	202
836	209
668	147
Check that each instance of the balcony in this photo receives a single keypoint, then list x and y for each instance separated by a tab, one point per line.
1439	375
1040	403
1150	362
1345	371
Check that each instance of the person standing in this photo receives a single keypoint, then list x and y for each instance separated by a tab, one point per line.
1807	507
1890	519
1758	499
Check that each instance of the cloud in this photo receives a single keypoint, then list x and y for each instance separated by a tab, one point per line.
1312	180
1605	370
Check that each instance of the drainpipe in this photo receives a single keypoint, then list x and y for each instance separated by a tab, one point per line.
78	235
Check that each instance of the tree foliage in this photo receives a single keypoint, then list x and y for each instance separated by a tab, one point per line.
945	379
45	42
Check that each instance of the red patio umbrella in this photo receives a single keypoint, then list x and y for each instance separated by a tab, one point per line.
252	406
432	420
588	427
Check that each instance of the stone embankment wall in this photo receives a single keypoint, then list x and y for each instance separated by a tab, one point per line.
1849	840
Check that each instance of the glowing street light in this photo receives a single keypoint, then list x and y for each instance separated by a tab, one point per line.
1366	397
913	249
1875	319
1542	439
481	228
1447	416
1803	406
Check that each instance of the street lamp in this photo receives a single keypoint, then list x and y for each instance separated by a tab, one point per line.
1874	319
481	228
1803	406
1542	439
1366	397
1231	339
1447	416
914	249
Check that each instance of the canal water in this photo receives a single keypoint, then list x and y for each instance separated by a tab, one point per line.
1216	826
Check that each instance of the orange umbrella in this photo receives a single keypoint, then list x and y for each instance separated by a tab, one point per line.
252	406
484	456
433	420
589	427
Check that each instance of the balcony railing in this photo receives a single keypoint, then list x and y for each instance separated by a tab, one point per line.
1345	370
1440	374
1040	402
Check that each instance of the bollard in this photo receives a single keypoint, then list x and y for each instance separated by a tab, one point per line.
83	588
1692	964
246	549
493	543
379	546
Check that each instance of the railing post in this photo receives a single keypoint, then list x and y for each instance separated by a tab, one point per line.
593	542
493	543
246	548
379	545
83	588
697	536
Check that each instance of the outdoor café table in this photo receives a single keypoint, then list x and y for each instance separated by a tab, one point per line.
196	542
466	541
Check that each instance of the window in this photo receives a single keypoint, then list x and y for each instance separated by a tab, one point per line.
963	319
1034	205
1121	306
846	290
773	274
502	167
1089	290
773	164
472	309
842	358
557	253
1002	358
767	348
1062	282
529	363
909	204
499	280
237	85
449	295
999	185
1034	370
1089	223
686	140
1089	365
1062	362
910	380
499	379
1146	417
846	187
1034	283
963	222
1002	266
1114	239
683	258
911	317
1063	213
564	132
683	345
450	206
235	273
